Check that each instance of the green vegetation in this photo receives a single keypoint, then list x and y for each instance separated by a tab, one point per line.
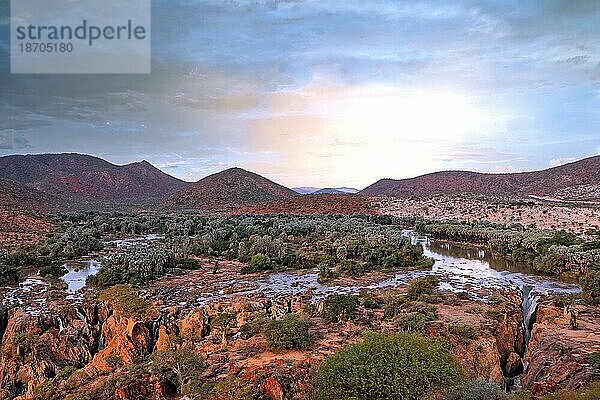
595	359
134	264
422	287
403	366
340	307
181	367
465	332
258	262
477	390
125	302
292	332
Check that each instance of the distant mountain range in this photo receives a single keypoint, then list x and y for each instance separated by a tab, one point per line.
578	180
53	182
314	190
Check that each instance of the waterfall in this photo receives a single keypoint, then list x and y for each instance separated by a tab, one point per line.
156	324
529	305
80	315
60	323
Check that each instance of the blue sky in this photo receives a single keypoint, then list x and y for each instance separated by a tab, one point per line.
330	93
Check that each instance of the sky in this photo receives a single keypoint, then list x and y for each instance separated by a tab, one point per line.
329	93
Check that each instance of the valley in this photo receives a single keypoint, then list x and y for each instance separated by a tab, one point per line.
234	287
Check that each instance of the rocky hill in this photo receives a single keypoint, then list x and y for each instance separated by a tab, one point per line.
579	180
229	189
83	177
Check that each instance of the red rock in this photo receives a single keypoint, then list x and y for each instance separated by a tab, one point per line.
272	389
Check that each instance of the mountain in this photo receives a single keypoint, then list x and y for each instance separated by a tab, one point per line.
579	180
228	189
21	208
314	190
305	189
84	177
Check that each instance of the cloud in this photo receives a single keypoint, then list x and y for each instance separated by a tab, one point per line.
509	169
555	162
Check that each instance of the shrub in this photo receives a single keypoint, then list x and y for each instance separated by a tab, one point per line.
594	359
126	303
412	322
43	391
591	393
403	366
477	390
54	269
181	367
113	360
465	332
352	268
340	307
591	285
258	263
234	388
292	332
426	285
67	371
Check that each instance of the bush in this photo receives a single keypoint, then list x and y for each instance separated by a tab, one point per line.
234	388
340	307
426	285
128	304
258	263
292	332
55	269
403	366
594	359
591	285
477	390
113	360
466	333
591	393
412	322
67	371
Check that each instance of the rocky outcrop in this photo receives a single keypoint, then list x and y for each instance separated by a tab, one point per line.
36	348
557	357
146	388
126	339
510	338
480	360
272	389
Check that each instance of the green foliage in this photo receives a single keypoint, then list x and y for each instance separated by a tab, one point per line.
426	285
403	366
113	360
477	390
224	321
134	264
591	393
340	307
465	332
43	391
55	269
412	322
292	332
67	371
594	359
125	302
234	388
181	367
258	263
591	285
